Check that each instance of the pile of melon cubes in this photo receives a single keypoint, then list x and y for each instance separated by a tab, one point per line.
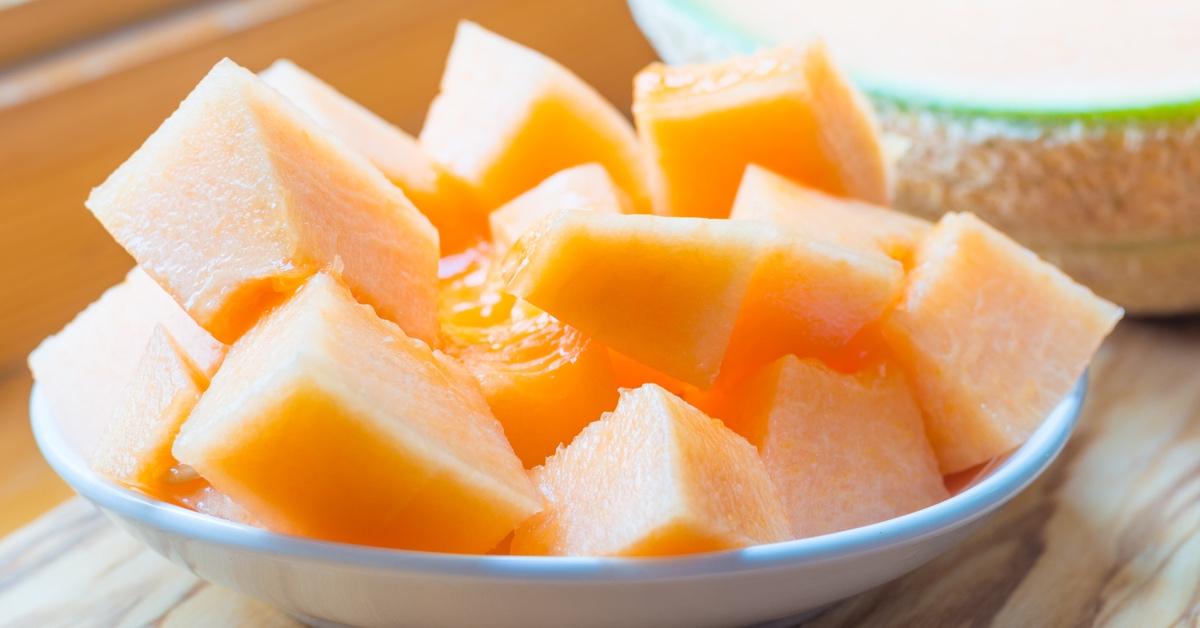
538	329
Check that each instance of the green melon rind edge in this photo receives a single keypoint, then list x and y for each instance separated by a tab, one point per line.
913	100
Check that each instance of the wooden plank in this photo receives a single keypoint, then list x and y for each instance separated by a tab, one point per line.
1109	536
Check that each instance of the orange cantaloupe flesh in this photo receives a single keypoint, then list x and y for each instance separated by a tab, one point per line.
329	422
701	125
135	447
807	212
444	200
842	450
239	196
992	338
810	298
82	371
507	117
543	380
629	373
663	291
654	477
586	187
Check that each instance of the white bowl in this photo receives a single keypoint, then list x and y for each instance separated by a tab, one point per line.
331	583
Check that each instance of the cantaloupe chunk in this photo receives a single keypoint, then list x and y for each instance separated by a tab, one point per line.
786	110
543	380
807	212
507	117
991	337
328	421
439	195
810	298
629	373
239	196
586	187
842	450
663	291
654	477
83	370
135	448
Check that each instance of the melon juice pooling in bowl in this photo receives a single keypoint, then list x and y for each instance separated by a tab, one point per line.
539	330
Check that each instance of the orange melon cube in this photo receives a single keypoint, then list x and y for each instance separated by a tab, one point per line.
507	117
444	200
587	187
786	110
992	338
654	477
810	298
135	448
239	196
83	370
330	422
543	380
842	450
663	291
809	213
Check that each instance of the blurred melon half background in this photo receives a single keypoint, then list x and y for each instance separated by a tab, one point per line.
1073	125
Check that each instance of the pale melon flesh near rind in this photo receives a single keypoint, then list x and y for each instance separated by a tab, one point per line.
239	196
135	448
788	110
586	187
842	450
806	212
664	291
654	477
327	421
991	337
507	117
437	194
83	370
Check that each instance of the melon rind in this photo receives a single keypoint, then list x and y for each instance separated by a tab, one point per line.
1111	193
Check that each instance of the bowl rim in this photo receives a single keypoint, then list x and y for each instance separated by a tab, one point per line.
1005	481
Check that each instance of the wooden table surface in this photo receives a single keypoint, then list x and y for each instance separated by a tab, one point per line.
1109	535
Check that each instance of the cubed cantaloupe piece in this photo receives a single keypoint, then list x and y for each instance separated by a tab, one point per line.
330	422
810	298
83	370
239	196
444	199
807	212
664	291
654	477
543	380
992	338
842	450
135	447
787	110
587	187
507	117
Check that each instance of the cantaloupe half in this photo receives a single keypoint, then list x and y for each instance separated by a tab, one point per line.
587	187
812	298
507	117
991	338
842	450
543	380
239	196
663	291
330	422
83	370
654	477
806	212
787	110
444	200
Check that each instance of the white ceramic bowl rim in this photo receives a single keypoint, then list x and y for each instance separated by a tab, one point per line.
1009	478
